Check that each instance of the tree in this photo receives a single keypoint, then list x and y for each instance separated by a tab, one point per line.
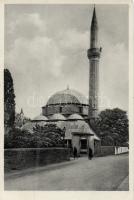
20	119
48	136
17	138
112	125
9	100
44	136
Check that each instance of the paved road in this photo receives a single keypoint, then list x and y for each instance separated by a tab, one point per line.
100	174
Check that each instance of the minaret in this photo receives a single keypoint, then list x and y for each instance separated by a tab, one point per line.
93	56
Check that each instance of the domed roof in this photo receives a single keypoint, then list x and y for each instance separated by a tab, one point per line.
57	116
67	96
60	124
40	118
78	126
28	126
75	116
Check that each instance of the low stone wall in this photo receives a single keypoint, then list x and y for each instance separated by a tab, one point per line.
105	151
15	159
110	150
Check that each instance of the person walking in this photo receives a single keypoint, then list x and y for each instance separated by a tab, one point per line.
90	154
75	152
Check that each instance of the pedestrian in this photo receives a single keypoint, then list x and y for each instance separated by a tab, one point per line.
75	152
90	154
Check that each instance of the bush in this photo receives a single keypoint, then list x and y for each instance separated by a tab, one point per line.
44	136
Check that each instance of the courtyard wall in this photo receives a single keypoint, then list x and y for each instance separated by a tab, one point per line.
109	150
22	158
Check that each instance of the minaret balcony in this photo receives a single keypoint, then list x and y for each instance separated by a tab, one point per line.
93	53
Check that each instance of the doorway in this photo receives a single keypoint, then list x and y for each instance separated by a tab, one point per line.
83	145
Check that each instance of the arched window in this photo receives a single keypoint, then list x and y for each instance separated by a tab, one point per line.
80	110
60	109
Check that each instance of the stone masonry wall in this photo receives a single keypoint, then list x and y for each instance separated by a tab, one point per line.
66	109
16	159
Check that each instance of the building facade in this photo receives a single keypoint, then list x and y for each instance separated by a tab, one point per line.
72	111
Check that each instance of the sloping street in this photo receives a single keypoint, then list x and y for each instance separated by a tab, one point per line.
99	174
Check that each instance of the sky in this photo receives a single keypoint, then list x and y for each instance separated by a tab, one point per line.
46	51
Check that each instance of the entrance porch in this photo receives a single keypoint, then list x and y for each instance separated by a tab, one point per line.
82	141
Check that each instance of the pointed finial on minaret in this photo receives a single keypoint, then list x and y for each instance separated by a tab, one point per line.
94	31
94	23
94	6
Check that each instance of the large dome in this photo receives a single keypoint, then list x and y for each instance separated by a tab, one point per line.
67	96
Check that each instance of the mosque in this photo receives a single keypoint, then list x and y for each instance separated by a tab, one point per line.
71	110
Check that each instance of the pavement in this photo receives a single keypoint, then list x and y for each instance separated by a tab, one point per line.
124	185
108	173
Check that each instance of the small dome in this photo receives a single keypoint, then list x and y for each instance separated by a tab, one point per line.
28	126
41	123
78	126
40	118
75	117
57	116
67	96
59	124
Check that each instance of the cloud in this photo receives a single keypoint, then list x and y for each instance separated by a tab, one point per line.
27	26
74	39
45	54
40	53
114	75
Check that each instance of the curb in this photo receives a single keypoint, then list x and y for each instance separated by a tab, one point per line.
39	169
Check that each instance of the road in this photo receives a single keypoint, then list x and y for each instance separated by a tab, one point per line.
100	174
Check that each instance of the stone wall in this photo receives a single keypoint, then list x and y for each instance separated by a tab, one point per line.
67	109
15	159
105	151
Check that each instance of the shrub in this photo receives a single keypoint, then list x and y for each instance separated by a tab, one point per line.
44	136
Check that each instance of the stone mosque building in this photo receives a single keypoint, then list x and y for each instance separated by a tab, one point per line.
71	110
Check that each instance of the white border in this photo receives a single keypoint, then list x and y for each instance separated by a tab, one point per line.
4	195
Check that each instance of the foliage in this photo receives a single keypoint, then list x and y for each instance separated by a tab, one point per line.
9	100
48	135
44	136
16	138
112	127
20	120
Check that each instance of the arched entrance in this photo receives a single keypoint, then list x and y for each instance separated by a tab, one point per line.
83	145
82	141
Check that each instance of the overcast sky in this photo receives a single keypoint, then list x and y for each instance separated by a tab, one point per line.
46	50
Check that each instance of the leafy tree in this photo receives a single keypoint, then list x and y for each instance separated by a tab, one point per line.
16	138
48	135
44	136
112	126
9	100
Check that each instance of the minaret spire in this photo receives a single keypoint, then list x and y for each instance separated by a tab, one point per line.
94	23
93	56
94	31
